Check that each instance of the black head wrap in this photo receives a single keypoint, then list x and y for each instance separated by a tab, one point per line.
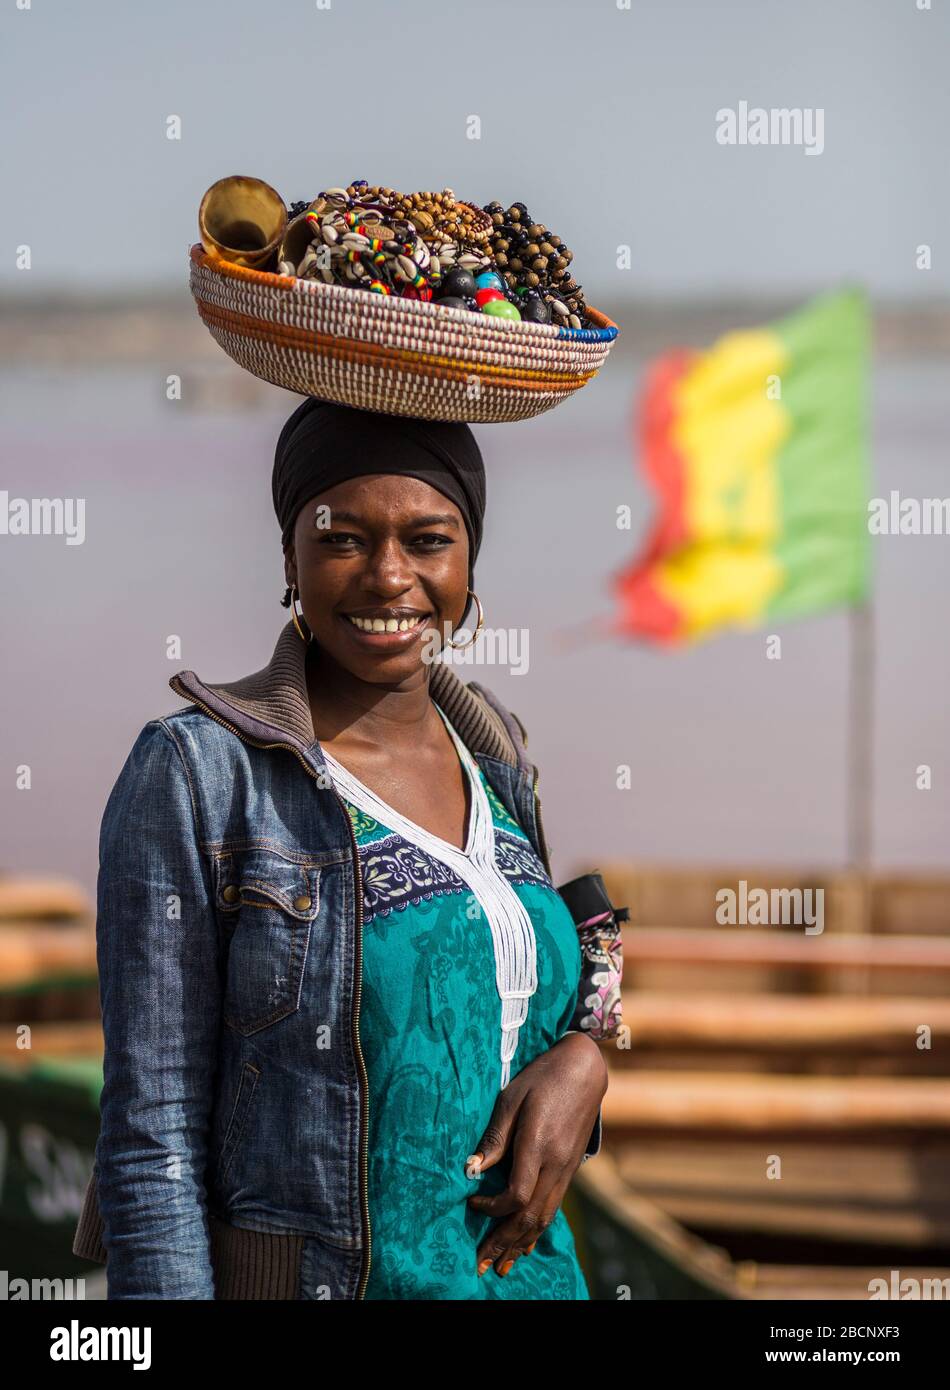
322	444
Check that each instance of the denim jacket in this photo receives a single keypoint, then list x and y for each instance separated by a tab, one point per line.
232	1155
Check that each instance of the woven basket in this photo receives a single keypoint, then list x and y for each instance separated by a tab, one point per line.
397	356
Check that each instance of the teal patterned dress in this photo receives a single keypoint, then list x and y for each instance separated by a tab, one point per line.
430	1030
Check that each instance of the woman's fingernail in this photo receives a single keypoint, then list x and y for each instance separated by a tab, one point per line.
505	1268
483	1265
531	1247
473	1165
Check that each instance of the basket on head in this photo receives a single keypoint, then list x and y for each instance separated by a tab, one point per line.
398	356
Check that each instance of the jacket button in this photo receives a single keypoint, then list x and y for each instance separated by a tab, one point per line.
302	903
231	893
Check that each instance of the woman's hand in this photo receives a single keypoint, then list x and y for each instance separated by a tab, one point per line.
547	1113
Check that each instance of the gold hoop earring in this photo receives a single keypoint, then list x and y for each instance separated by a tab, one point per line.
294	595
458	646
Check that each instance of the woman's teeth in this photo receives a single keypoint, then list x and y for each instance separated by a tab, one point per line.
385	624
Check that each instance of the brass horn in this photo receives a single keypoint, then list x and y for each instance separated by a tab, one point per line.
242	220
298	235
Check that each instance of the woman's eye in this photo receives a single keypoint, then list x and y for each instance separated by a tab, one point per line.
339	536
429	539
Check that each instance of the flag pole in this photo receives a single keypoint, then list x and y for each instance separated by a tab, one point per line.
860	753
861	734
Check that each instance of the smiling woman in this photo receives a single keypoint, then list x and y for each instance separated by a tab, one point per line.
358	1041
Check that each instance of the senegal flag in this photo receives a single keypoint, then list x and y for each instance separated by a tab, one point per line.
757	451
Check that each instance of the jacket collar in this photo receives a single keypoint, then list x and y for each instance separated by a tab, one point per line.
273	706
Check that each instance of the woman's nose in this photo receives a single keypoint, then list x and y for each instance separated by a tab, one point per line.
388	567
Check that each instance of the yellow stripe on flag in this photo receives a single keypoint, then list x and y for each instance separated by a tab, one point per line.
757	451
728	433
713	585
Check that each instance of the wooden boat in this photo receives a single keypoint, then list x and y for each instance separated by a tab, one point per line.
632	1250
47	951
781	1099
50	1071
49	1114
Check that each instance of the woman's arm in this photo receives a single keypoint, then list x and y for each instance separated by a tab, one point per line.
157	949
543	1116
597	1133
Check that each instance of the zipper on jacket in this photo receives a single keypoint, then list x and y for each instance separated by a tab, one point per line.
363	1081
187	695
537	812
364	1088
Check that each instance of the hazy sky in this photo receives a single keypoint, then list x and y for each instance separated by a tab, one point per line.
602	120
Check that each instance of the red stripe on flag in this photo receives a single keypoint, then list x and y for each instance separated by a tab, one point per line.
663	464
644	610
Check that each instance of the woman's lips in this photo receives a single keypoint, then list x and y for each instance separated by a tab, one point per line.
384	641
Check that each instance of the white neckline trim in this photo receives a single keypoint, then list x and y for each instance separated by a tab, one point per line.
512	930
367	800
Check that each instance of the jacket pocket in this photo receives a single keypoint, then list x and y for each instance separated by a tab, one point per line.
250	1075
267	902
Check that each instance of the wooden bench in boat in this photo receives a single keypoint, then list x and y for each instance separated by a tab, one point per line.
631	1248
852	1032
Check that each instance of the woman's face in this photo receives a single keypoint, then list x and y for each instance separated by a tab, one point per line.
385	547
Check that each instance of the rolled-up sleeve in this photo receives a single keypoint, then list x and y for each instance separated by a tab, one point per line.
159	982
